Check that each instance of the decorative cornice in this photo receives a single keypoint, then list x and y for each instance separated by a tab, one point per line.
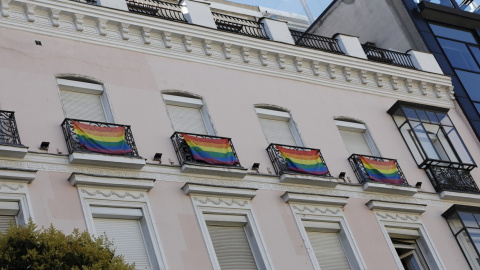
316	210
387	216
290	197
393	206
193	189
310	65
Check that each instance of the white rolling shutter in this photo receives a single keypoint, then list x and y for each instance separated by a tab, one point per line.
5	222
231	247
328	250
83	106
127	238
187	119
277	131
355	142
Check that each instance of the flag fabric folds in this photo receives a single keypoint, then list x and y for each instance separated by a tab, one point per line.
211	150
105	140
307	161
382	171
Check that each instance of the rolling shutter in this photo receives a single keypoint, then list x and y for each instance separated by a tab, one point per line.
328	250
127	238
5	222
355	142
231	247
277	131
187	119
83	106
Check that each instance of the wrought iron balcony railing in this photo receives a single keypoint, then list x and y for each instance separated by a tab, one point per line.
157	8
185	155
73	142
280	164
239	25
364	176
316	42
8	129
451	179
386	56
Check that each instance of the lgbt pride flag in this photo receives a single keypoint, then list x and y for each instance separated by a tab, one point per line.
211	150
303	161
382	171
106	140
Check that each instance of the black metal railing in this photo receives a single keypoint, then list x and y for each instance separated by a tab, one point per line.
362	174
239	25
451	179
316	42
279	163
8	129
386	56
157	8
73	143
93	2
184	154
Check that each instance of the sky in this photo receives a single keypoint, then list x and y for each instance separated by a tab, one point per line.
295	6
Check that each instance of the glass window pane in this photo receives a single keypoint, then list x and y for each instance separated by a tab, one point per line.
470	81
444	119
454	223
411	114
433	117
476	52
477	106
412	143
424	140
468	220
468	250
458	54
440	2
423	116
475	235
468	6
452	33
457	143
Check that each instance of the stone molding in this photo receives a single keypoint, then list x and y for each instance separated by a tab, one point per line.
393	206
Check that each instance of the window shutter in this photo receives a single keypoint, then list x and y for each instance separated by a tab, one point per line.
277	131
355	142
231	247
186	119
5	222
127	238
328	250
83	106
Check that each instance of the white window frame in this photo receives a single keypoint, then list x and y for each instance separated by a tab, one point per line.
227	201
190	102
321	208
118	202
281	116
406	216
361	128
88	88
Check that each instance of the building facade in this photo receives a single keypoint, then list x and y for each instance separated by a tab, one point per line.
207	136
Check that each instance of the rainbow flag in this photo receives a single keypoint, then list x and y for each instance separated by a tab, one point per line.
212	151
382	171
106	140
308	161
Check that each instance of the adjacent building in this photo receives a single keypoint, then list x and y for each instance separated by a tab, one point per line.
206	135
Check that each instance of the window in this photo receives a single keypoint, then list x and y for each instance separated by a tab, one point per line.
407	248
8	214
356	138
188	114
84	101
278	126
15	207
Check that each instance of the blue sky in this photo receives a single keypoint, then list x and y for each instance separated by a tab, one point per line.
295	6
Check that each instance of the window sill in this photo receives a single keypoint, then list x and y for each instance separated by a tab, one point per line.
460	196
107	160
390	189
290	197
233	172
309	180
16	151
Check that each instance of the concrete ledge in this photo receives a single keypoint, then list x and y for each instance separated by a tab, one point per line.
309	180
194	189
290	197
18	175
15	151
144	184
393	206
460	196
233	172
107	160
390	189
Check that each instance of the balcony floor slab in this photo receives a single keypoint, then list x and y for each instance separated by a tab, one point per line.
15	151
107	160
233	172
390	189
309	180
460	196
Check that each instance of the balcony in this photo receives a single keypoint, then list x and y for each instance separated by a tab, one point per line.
10	145
91	143
316	42
205	154
388	57
157	8
300	165
239	25
456	179
379	174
